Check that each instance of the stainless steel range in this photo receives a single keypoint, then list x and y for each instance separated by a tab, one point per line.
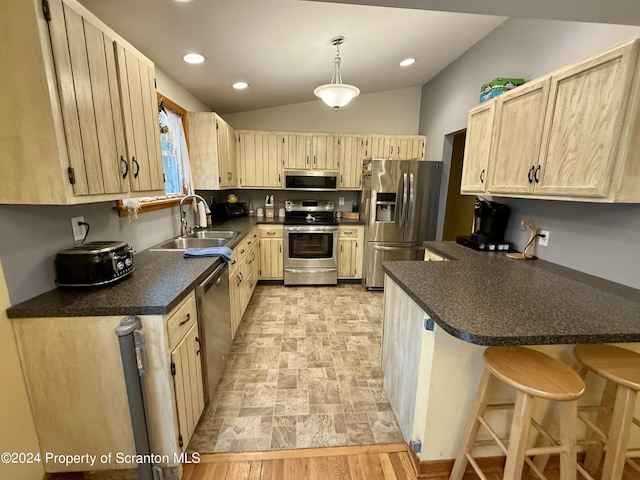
310	243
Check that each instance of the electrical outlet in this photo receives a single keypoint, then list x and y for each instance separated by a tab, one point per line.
543	241
78	230
340	200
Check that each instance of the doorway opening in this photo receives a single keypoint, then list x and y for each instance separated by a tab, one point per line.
458	213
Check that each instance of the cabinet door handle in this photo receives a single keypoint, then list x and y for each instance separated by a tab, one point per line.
482	176
530	174
315	160
185	320
135	162
280	248
341	248
537	174
307	159
126	167
271	233
199	345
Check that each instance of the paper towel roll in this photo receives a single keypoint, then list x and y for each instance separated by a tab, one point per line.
202	215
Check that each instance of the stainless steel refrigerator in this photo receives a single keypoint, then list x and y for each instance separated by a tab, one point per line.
399	207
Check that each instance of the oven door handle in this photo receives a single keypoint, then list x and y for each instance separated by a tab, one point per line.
312	229
378	247
310	270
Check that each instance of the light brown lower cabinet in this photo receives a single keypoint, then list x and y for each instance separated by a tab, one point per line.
73	372
271	252
350	251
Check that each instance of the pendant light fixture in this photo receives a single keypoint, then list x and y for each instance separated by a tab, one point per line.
336	94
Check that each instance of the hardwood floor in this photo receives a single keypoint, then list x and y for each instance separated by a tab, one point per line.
372	462
368	462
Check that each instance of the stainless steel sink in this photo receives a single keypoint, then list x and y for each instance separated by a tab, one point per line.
216	234
181	243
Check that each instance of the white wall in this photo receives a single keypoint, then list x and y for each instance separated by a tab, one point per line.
168	87
394	111
599	239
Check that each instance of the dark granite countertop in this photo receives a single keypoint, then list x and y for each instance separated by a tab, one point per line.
157	285
488	299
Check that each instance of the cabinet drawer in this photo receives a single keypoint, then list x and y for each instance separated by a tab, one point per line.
348	232
271	232
181	320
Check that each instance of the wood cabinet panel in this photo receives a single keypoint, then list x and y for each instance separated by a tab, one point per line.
519	122
271	252
212	151
260	157
140	120
585	116
350	155
188	384
477	148
350	251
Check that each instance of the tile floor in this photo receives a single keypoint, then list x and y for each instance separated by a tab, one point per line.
304	371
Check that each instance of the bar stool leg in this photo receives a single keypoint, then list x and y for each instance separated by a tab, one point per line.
595	452
567	436
473	425
521	424
621	422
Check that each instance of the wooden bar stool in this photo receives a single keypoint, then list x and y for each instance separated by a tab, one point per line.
621	370
533	374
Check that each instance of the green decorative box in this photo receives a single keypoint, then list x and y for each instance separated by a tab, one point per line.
497	86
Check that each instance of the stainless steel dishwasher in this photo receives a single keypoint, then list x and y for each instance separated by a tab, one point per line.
214	315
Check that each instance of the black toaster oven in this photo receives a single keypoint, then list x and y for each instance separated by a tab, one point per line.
93	264
226	210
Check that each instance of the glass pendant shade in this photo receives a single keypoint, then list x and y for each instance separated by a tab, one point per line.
336	94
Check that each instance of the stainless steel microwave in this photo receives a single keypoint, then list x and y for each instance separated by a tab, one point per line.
313	180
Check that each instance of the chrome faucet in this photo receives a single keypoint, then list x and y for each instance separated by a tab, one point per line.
183	218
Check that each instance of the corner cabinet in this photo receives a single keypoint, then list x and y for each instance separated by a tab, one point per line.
571	135
93	415
81	119
271	252
350	251
212	151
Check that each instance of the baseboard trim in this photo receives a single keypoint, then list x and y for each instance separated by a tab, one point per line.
442	468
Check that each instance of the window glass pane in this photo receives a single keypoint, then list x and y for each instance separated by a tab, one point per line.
173	150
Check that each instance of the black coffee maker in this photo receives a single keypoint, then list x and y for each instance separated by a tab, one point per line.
489	224
489	221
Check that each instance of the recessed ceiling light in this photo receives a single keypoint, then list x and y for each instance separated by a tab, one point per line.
193	58
407	61
240	85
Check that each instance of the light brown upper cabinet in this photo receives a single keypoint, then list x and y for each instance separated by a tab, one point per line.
477	148
349	152
137	85
395	147
212	151
584	144
260	157
310	151
518	123
571	135
66	136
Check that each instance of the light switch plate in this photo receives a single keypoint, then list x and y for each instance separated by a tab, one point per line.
340	200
